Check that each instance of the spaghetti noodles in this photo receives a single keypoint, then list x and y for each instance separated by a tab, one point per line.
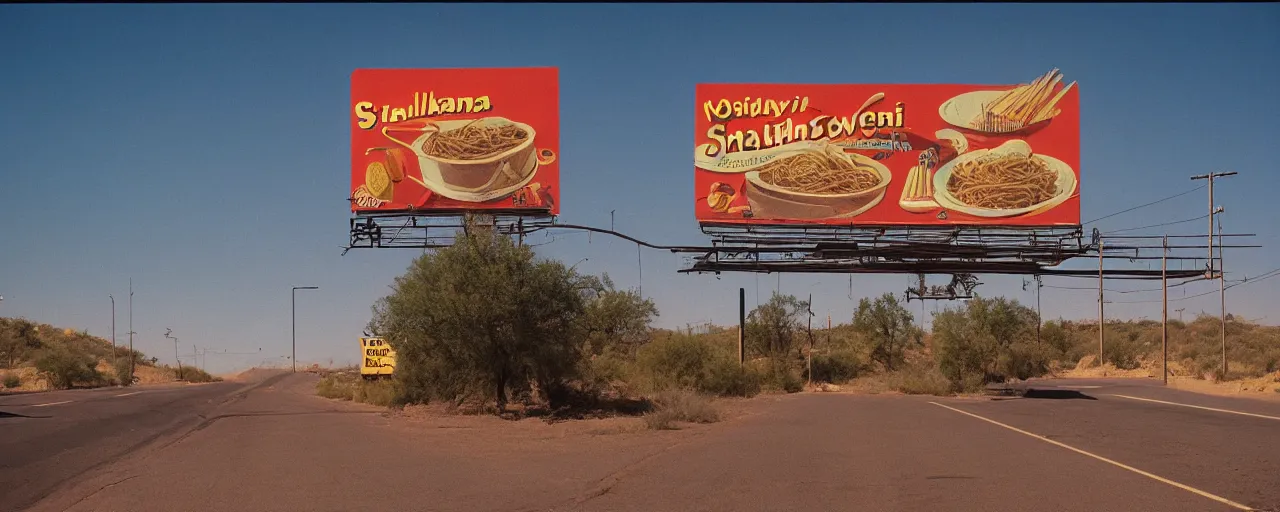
474	141
819	173
1006	182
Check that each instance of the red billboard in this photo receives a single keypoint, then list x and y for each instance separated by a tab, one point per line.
449	140
878	155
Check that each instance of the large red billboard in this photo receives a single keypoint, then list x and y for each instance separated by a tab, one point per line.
455	140
879	155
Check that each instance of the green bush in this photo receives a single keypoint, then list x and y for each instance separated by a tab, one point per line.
64	369
11	380
836	367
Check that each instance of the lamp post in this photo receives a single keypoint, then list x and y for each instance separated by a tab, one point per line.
294	307
167	333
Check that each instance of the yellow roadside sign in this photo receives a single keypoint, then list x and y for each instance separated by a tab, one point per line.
377	357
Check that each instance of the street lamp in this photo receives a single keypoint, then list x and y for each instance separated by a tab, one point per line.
294	306
167	333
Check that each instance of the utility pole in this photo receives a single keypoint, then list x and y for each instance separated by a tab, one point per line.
742	326
293	304
1213	211
1164	311
1222	295
115	356
1039	319
1101	312
132	355
809	307
1179	310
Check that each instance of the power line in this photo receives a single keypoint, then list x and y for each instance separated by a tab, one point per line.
1145	205
1265	275
1156	225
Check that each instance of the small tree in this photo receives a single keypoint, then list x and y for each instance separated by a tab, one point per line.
615	320
482	318
774	328
887	325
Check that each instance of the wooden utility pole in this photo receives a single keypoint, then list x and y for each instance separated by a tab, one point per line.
742	326
809	306
1101	311
1039	318
1222	289
1222	296
1164	311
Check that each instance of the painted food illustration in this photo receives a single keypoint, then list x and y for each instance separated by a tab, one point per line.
474	141
917	192
475	160
1008	111
816	184
1006	181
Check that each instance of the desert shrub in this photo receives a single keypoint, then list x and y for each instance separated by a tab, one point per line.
687	362
836	367
64	369
121	375
781	377
991	340
725	377
380	392
928	381
336	386
673	405
11	380
193	374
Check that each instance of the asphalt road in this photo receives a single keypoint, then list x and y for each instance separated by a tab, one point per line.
1079	445
47	439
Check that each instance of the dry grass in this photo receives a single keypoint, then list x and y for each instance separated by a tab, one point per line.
350	386
674	406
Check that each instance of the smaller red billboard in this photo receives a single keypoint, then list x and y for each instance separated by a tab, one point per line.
455	140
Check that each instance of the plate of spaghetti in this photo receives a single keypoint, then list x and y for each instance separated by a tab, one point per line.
467	159
816	184
1006	181
997	112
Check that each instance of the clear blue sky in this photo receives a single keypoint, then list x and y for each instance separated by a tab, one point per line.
203	149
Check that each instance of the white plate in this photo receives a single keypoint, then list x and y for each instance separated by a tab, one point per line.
963	109
1066	185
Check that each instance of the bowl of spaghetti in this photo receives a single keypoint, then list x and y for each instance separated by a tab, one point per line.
816	184
1006	181
476	155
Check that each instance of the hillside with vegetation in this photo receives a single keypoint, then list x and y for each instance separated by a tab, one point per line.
35	356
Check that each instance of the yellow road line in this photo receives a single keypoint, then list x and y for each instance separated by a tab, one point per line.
1158	478
52	403
1277	418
